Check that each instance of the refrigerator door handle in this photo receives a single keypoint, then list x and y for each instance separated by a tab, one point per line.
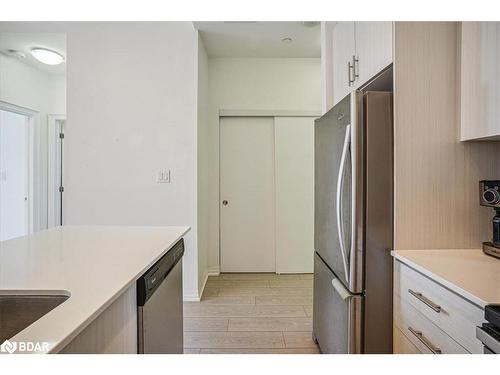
340	181
342	290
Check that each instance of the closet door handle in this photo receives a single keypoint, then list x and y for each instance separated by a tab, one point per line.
419	335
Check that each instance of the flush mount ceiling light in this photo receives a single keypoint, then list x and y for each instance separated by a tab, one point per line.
47	56
287	40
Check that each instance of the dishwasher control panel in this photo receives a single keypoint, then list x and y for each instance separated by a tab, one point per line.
147	283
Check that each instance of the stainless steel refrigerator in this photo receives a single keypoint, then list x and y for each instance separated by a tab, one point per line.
354	225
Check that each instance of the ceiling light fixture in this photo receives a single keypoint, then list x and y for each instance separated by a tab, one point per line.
287	40
47	56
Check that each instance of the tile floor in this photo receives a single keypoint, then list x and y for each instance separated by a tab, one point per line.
251	313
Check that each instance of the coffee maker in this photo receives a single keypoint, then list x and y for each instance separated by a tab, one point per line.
489	196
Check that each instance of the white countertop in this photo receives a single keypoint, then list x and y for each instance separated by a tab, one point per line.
468	272
93	264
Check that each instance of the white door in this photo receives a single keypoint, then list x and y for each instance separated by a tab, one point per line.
343	51
247	194
14	173
294	149
373	49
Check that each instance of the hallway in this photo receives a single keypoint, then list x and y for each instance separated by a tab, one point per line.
251	313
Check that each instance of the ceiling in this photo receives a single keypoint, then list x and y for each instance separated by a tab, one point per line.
260	39
24	42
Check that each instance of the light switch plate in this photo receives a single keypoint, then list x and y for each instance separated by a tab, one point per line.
163	176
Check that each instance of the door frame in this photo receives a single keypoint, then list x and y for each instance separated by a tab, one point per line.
55	159
266	113
33	120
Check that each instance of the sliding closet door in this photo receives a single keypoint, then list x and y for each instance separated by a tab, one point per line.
247	232
294	165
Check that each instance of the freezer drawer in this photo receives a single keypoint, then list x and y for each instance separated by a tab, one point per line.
336	314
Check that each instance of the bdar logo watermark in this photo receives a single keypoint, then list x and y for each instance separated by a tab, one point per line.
23	346
8	347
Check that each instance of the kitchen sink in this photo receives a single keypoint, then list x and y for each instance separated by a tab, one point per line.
18	311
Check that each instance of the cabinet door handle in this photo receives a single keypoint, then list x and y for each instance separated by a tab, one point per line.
355	67
425	300
419	335
350	67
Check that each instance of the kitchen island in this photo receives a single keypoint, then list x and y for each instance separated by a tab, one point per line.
96	267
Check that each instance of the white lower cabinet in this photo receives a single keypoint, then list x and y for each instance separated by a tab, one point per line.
431	317
402	345
422	333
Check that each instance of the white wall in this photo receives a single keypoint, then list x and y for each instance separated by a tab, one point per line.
57	95
287	84
203	165
131	110
25	86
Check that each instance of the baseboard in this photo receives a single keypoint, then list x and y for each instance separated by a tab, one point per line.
210	271
213	271
194	297
191	298
205	279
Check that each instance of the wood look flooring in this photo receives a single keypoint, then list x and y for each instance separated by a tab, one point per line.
251	313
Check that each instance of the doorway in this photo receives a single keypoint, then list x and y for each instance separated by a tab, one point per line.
247	221
15	176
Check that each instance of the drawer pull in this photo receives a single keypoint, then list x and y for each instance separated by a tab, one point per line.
425	300
418	334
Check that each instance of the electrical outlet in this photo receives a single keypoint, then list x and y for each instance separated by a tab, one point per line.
163	176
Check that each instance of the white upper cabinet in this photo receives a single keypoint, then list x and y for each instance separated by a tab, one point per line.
373	49
344	48
360	51
480	81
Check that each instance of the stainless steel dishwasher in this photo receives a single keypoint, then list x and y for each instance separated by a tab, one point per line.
159	305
